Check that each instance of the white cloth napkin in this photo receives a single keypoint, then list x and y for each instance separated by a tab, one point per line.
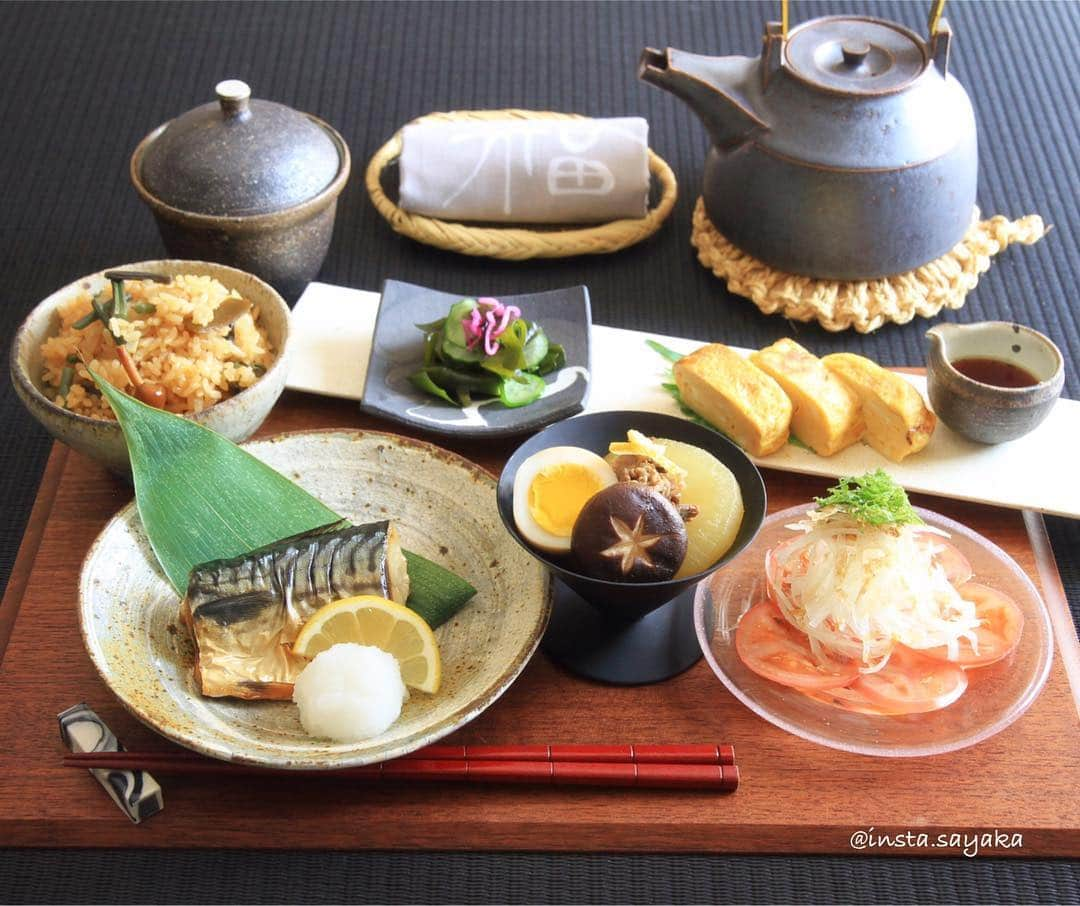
527	171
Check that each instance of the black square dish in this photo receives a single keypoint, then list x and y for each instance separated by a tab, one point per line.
397	350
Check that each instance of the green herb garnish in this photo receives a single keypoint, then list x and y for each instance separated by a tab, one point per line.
120	299
873	498
66	377
670	354
86	320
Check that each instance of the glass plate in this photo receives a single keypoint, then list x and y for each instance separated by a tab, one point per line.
996	695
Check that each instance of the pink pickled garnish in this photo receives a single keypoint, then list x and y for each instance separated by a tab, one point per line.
471	324
509	312
489	325
491	345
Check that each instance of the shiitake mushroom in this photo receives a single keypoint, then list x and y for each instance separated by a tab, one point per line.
629	532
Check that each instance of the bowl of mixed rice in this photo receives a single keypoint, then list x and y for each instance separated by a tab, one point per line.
212	341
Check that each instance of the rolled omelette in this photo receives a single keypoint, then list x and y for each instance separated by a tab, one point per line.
526	171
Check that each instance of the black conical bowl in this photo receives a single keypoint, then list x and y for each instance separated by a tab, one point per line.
628	632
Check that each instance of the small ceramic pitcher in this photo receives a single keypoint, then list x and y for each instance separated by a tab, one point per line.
985	412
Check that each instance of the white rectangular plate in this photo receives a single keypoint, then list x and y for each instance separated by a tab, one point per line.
332	329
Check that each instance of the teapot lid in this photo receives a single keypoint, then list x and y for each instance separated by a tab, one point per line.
855	55
240	157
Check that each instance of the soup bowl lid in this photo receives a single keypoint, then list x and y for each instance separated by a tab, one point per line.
239	156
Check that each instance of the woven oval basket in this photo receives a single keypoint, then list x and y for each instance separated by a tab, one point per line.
515	243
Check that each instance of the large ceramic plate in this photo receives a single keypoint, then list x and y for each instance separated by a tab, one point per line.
445	509
996	695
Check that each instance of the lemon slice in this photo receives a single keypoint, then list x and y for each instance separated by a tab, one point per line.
371	620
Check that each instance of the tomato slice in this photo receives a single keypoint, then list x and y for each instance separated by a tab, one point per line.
770	646
957	567
912	683
848	698
1001	622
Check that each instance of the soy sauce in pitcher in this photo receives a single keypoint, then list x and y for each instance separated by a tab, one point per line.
996	372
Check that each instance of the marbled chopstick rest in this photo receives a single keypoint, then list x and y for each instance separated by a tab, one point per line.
136	792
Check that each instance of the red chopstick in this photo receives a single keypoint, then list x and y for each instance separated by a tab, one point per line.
717	777
692	753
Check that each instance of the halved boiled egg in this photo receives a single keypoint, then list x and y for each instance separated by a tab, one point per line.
551	488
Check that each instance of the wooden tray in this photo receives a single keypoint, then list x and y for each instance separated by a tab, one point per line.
795	796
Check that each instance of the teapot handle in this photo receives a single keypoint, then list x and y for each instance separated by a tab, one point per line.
937	7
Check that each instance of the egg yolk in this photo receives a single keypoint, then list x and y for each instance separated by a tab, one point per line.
558	494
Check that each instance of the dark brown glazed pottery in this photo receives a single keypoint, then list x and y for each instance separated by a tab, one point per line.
245	182
846	151
628	633
985	412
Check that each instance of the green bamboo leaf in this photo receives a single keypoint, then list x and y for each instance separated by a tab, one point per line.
201	498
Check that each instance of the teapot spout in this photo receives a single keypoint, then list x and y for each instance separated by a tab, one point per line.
714	87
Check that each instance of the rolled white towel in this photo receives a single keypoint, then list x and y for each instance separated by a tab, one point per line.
527	171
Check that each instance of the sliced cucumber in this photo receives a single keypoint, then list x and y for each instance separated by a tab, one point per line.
454	330
521	390
536	347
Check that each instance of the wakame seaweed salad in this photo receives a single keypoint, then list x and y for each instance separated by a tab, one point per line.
483	348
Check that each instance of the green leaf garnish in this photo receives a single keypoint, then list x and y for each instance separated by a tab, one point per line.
873	498
670	354
202	498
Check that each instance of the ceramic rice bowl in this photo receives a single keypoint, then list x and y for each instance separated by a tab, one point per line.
237	417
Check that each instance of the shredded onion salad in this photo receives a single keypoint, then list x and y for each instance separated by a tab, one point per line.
855	589
871	610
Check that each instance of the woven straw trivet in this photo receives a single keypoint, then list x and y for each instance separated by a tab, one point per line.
514	243
865	304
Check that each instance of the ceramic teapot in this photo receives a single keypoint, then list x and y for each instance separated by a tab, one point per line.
846	151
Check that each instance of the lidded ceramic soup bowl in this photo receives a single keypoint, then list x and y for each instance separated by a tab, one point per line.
984	412
245	182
